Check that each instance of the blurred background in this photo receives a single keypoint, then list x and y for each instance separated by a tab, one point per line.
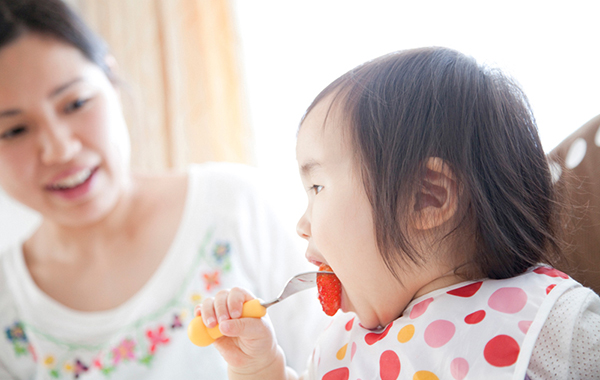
229	80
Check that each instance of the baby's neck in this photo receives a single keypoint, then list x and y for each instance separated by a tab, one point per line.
443	281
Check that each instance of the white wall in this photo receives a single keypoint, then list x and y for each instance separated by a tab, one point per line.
293	49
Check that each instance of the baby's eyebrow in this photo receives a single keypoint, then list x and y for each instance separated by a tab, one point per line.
307	168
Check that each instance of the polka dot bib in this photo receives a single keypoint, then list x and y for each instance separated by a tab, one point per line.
484	329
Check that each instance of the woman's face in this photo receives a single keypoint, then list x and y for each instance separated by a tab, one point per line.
64	148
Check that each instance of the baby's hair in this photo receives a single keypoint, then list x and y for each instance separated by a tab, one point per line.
51	18
406	107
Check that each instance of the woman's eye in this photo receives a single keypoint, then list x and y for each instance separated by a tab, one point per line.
316	188
73	106
13	132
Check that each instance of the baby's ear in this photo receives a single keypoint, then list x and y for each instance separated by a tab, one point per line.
436	200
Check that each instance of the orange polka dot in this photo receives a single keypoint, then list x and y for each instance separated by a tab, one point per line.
425	375
406	333
341	354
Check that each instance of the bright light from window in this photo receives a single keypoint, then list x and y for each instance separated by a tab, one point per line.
293	49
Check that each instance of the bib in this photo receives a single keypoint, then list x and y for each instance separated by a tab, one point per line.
473	330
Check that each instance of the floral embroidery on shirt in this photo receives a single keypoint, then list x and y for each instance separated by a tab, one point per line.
16	335
79	368
212	280
220	262
147	335
176	322
156	337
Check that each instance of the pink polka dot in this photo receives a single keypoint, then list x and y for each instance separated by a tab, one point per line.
475	317
337	374
459	368
439	333
372	338
524	326
420	308
508	300
501	351
353	351
467	290
349	324
389	365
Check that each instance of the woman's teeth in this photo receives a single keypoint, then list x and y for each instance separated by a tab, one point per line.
72	181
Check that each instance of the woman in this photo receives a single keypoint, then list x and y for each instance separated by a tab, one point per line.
106	284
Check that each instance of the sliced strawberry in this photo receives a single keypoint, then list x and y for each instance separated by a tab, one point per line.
330	290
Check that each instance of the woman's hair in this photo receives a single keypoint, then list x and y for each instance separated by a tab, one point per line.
405	107
55	19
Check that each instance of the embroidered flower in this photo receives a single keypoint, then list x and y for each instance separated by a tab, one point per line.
68	367
221	251
212	279
176	322
195	298
156	337
79	368
123	351
16	333
49	361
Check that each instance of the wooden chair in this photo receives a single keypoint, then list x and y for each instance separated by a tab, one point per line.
575	164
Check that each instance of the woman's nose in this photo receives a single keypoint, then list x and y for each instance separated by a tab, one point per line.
303	226
58	144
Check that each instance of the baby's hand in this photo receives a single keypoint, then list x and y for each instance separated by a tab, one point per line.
248	344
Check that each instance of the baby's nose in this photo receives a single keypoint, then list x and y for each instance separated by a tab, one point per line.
303	227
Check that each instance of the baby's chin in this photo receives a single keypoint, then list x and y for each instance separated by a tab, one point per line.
369	319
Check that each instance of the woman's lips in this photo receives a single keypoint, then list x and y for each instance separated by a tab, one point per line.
74	185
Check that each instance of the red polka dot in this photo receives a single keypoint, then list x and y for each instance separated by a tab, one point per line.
550	272
389	365
337	374
475	317
349	324
501	351
549	288
508	300
439	332
420	308
467	290
353	351
372	338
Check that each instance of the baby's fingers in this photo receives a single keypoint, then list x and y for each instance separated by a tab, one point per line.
248	328
207	311
235	301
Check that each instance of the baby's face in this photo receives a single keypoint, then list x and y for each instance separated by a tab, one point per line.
338	222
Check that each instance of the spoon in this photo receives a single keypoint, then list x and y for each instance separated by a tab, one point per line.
202	336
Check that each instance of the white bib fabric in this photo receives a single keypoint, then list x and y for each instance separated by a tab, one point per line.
475	330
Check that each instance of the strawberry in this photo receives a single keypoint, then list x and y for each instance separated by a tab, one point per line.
330	290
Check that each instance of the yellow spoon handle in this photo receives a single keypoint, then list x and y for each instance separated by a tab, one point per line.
202	336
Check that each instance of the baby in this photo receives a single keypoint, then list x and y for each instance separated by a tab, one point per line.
430	197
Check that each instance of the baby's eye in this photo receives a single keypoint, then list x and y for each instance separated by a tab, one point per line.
13	132
77	104
316	188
